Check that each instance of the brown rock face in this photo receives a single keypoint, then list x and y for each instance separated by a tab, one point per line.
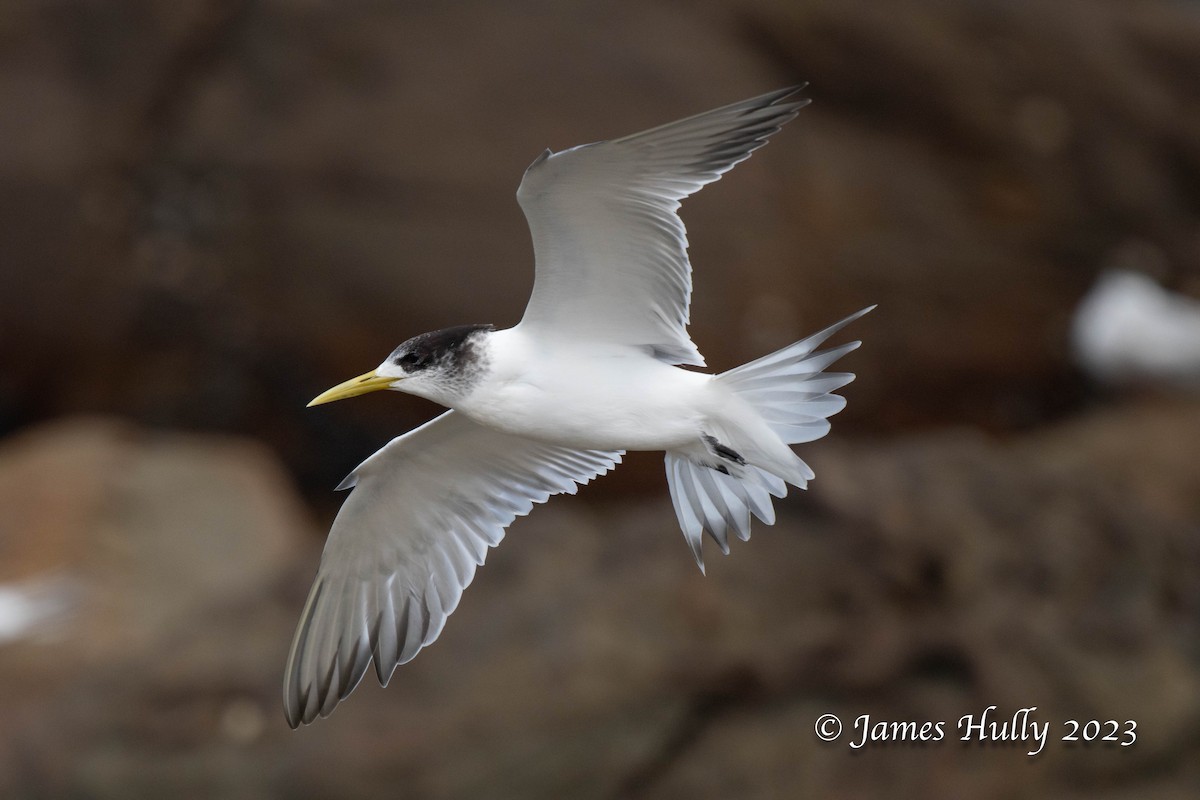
922	580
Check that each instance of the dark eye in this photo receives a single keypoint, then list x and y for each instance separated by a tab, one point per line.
409	360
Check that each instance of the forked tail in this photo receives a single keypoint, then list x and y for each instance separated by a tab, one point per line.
793	396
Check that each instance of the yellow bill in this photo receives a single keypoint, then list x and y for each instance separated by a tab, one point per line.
368	382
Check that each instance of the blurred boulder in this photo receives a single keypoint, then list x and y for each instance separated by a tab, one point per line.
151	527
145	539
927	578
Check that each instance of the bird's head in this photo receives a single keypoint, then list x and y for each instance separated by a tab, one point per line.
441	366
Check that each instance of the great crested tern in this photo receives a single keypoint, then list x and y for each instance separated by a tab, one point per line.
591	370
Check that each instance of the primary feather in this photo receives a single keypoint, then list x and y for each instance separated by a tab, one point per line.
423	512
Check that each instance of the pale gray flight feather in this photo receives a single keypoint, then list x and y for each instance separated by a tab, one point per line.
610	249
793	394
424	511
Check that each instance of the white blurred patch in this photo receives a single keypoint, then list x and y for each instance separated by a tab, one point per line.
1129	329
34	607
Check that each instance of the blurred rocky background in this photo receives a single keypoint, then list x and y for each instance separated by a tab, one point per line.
211	211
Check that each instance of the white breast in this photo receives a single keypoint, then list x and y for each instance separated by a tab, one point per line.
608	397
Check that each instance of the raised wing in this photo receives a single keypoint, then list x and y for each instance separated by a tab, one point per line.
610	249
405	544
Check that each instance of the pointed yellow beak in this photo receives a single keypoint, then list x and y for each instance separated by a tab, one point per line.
368	382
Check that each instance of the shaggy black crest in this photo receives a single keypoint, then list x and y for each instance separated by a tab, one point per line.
448	345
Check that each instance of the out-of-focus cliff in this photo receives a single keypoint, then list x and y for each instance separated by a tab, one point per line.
215	209
212	210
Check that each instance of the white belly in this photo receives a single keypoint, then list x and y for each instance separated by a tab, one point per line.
599	399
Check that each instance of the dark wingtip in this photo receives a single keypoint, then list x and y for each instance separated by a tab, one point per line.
295	699
541	157
787	97
293	710
779	95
